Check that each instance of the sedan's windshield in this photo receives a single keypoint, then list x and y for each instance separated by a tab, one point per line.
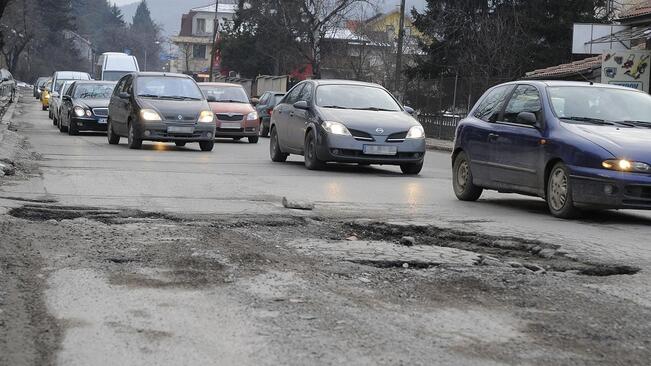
94	91
355	97
167	88
584	104
225	94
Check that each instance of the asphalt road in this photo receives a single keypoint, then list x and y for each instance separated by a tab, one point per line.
127	308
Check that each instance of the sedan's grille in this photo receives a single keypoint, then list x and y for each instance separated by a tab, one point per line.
397	137
175	117
100	112
361	135
229	117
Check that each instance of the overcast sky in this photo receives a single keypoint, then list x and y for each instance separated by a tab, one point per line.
418	3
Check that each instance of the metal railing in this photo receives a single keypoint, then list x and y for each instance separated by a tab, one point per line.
439	126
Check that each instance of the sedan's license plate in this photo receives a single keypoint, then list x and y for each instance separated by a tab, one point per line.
380	150
101	121
231	125
178	129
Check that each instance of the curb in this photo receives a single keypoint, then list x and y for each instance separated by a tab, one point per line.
439	145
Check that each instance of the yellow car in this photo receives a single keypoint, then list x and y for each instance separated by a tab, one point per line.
45	95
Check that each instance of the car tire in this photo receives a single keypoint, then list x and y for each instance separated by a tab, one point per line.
72	128
253	139
411	169
133	142
312	161
275	153
113	138
44	108
464	188
179	143
207	145
61	127
559	193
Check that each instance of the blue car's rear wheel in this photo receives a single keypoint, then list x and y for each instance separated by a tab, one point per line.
464	188
559	193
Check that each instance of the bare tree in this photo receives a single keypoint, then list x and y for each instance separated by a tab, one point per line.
19	30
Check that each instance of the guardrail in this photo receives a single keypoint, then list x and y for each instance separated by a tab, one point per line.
438	126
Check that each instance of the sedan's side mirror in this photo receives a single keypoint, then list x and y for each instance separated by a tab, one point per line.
410	110
301	104
527	118
124	95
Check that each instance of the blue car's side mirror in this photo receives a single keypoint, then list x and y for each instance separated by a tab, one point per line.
527	118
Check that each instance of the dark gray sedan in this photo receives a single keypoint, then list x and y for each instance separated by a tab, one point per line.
347	122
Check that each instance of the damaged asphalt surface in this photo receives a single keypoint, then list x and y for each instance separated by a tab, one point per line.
172	256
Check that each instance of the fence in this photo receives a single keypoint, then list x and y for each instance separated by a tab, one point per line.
439	126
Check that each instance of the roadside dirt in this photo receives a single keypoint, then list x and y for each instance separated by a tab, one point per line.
506	301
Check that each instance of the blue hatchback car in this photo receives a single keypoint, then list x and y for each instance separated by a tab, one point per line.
575	144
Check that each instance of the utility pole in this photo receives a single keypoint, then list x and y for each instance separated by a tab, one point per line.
401	36
215	29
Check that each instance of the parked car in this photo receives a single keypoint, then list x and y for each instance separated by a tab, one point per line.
346	121
38	86
268	101
235	116
55	102
160	107
574	144
60	77
111	66
7	85
45	95
85	106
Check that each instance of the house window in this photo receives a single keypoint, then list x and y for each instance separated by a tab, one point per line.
201	25
199	51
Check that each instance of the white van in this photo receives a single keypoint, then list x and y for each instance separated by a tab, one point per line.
112	66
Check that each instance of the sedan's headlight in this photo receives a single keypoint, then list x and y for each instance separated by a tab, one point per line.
416	132
79	111
206	117
253	116
336	128
624	165
149	115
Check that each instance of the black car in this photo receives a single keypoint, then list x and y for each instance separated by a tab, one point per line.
348	122
268	101
163	107
39	85
7	85
85	106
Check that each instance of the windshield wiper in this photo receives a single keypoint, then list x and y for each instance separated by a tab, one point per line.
230	101
333	106
149	96
637	123
374	109
178	97
596	121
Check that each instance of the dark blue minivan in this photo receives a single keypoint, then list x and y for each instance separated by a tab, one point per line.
575	144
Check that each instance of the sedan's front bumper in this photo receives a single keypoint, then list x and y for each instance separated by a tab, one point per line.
347	149
602	188
246	129
159	131
89	124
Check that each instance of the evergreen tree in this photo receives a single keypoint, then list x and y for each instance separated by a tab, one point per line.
146	38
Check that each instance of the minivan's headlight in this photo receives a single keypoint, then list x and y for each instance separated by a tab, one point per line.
416	132
149	115
624	165
253	116
79	111
206	117
336	128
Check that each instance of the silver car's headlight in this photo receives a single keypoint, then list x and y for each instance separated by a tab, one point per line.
150	115
206	117
416	132
80	112
336	128
253	116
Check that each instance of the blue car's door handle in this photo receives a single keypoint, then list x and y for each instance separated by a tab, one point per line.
492	137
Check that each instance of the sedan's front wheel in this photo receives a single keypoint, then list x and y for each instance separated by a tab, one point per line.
277	155
113	138
207	145
132	141
464	188
411	169
312	161
559	193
